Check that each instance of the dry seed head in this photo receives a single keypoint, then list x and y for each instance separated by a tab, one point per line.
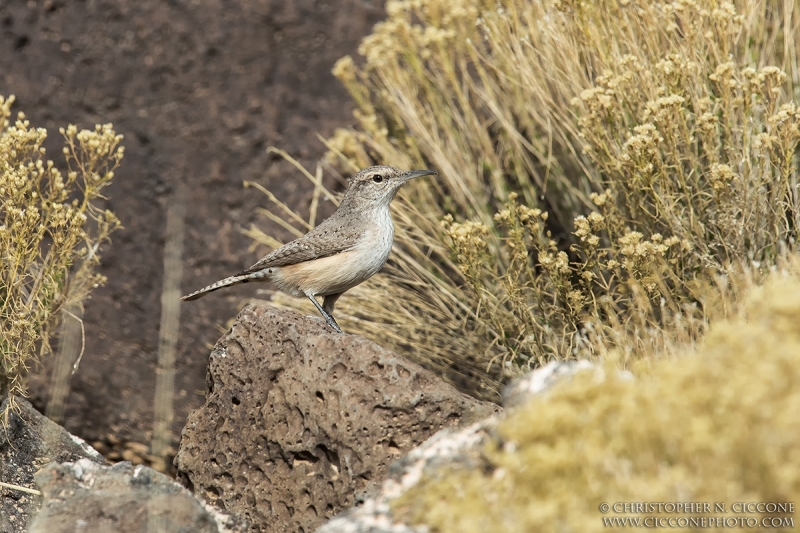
502	216
773	79
663	108
707	122
786	113
644	143
596	220
632	245
600	199
764	140
575	299
555	262
722	72
596	100
704	104
583	228
345	69
665	66
467	235
395	8
526	214
720	176
726	12
562	263
675	66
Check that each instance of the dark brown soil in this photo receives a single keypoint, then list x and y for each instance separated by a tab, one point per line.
199	89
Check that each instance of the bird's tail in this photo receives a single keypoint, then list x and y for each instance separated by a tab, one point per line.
227	282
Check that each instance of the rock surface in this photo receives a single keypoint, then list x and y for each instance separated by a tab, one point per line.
91	498
447	449
521	390
300	422
450	448
30	442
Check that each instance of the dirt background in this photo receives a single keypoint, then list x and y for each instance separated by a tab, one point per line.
199	89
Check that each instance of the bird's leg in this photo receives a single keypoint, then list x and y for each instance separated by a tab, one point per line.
330	301
327	316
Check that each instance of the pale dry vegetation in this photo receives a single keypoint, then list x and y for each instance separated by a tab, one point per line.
717	424
51	230
604	168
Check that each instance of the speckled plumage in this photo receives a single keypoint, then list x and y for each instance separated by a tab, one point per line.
345	250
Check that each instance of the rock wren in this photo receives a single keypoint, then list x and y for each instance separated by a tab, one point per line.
346	249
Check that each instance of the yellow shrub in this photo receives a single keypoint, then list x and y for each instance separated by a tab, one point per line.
50	232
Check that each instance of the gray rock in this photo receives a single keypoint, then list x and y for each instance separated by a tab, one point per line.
448	449
300	423
91	498
31	441
521	390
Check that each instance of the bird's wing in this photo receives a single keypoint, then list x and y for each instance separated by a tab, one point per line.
322	241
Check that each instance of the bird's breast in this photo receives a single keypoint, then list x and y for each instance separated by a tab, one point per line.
373	248
339	272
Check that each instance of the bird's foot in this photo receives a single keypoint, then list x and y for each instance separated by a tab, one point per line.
326	315
332	323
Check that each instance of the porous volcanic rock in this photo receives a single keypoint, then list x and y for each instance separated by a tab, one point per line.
29	442
447	450
301	422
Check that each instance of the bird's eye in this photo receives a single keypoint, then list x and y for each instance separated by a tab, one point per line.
377	178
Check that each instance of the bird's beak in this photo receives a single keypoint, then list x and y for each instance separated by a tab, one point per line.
407	176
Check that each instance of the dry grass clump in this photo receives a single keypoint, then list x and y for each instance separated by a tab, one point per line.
50	232
717	425
601	161
601	164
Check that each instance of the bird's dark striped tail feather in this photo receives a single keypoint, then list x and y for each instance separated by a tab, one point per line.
227	282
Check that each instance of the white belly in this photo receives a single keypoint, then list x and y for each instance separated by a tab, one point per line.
337	273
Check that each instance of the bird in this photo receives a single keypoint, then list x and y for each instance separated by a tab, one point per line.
346	249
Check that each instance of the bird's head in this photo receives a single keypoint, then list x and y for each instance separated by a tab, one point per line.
377	185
